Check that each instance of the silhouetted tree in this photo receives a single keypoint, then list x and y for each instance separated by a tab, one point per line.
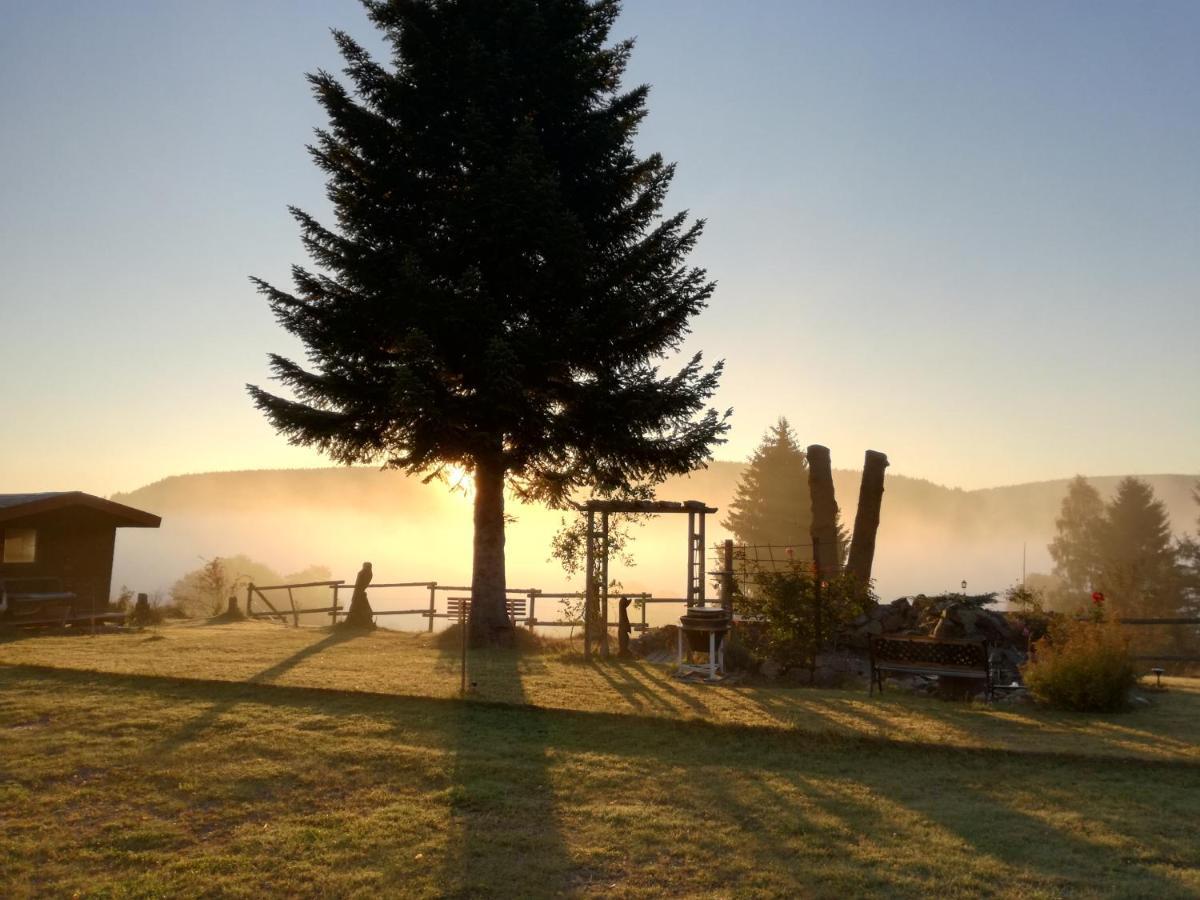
1137	554
772	504
500	285
1188	551
1076	547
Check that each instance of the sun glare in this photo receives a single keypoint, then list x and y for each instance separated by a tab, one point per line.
460	481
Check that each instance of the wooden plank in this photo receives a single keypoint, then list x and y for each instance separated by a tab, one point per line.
270	605
306	584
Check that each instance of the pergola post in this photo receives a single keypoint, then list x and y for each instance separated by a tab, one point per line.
589	584
691	560
727	575
603	585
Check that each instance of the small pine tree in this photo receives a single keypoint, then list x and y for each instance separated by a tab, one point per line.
772	503
1076	547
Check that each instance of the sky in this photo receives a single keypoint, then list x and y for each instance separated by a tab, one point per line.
966	234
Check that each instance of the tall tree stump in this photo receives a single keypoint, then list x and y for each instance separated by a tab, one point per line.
866	519
824	511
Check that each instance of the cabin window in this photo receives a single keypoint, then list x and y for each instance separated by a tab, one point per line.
20	545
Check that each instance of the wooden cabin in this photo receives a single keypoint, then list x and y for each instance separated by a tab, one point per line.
56	554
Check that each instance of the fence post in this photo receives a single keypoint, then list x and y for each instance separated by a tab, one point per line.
432	604
334	613
727	576
816	601
295	614
462	630
249	597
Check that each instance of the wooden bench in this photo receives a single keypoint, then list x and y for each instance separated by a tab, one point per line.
915	655
458	609
42	600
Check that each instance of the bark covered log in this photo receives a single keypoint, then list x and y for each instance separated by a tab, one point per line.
824	511
866	520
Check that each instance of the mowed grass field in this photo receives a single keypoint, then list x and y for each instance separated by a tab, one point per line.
253	759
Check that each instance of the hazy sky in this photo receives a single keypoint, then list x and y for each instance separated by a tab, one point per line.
967	234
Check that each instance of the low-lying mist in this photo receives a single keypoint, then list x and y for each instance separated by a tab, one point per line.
930	539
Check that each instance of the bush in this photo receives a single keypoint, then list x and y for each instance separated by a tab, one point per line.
791	631
1082	665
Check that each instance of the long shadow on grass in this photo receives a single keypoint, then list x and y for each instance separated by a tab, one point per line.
194	728
874	815
505	837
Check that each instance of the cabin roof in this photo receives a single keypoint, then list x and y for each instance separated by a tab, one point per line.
17	506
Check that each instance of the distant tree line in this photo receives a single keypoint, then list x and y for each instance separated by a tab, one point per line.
1123	549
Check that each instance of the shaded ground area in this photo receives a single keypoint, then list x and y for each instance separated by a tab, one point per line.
393	663
138	785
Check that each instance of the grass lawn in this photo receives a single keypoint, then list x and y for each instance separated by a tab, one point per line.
243	759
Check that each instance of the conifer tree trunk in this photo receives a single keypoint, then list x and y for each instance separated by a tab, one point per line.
824	510
866	520
489	616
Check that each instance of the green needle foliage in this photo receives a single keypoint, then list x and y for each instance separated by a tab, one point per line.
501	284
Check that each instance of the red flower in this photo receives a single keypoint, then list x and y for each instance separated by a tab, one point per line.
1097	598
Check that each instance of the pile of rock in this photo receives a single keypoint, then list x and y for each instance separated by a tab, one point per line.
949	616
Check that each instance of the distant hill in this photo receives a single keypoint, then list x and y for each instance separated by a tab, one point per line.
931	537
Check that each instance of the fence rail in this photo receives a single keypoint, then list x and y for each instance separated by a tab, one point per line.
430	609
1163	657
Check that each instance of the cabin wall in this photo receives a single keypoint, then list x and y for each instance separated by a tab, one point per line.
75	545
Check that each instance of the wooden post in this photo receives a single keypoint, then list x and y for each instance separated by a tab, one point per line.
824	510
295	614
727	576
701	574
816	605
604	585
623	629
432	604
462	631
866	519
334	612
691	560
589	584
249	597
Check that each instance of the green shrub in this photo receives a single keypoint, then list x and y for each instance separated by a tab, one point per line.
798	617
1082	665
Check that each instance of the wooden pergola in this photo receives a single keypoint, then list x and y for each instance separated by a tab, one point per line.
596	590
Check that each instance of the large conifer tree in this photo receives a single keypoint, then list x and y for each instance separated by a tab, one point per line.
1138	555
500	284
